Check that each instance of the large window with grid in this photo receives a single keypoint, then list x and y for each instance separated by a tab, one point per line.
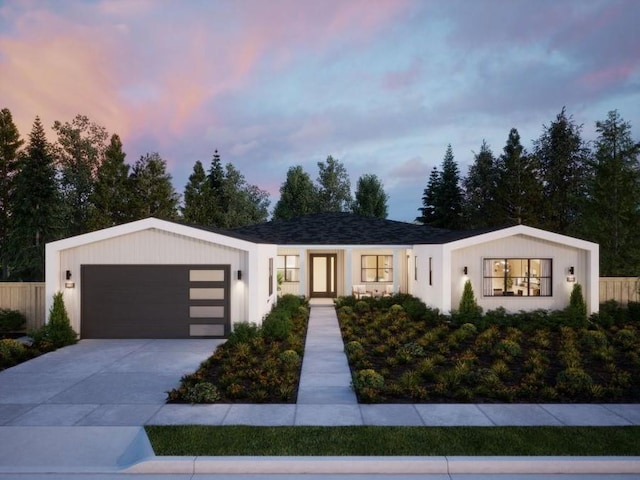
289	267
524	277
376	268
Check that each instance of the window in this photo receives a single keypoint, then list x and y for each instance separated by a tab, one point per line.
430	270
528	277
270	276
376	268
415	269
289	267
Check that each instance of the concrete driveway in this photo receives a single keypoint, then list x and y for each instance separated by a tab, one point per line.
98	382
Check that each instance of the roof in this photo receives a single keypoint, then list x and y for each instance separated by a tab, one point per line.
341	228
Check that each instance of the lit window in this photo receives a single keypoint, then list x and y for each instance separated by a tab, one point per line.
376	268
289	267
523	277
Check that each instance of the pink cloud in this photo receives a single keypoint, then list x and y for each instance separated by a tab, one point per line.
608	76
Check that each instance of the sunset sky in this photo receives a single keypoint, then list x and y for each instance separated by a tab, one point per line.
381	85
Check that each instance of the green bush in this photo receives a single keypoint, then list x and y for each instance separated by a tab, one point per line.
12	352
469	311
57	332
367	378
361	306
243	332
290	358
11	321
202	392
573	381
277	325
289	303
576	313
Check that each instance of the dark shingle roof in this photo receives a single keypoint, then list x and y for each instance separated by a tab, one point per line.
336	228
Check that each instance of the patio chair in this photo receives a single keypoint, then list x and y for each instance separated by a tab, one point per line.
360	291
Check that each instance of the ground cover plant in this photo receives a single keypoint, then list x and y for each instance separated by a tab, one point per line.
256	364
203	440
400	351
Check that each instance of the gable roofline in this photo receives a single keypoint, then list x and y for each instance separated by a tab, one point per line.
498	234
219	237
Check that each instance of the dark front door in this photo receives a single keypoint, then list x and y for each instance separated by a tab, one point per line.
324	275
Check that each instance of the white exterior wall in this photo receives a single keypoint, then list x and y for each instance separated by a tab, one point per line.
152	241
433	295
518	246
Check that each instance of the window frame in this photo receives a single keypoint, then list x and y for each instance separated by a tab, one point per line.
285	277
388	278
528	280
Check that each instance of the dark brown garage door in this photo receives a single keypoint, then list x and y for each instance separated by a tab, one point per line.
154	301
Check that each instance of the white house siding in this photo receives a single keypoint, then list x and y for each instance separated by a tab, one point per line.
518	246
149	247
432	293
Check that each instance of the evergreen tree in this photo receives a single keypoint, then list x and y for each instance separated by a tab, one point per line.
334	186
245	204
10	143
298	195
442	199
35	207
480	190
519	190
112	191
371	199
197	205
611	214
429	199
562	156
80	149
153	194
215	193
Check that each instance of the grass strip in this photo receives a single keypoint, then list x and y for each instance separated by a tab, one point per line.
390	441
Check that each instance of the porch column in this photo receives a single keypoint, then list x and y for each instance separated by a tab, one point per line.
304	274
348	277
397	258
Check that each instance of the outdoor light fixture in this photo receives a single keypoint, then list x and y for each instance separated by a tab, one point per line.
571	270
239	274
69	283
465	270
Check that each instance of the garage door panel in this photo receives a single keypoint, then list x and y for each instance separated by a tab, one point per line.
153	301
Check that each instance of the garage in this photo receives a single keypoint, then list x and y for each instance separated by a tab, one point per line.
155	301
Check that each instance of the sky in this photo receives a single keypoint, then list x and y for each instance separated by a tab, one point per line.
382	85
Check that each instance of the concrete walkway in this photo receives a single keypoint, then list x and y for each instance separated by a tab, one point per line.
82	409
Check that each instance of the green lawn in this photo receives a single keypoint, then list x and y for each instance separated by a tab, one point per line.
195	440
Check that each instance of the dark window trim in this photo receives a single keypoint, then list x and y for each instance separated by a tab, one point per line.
506	291
287	278
363	277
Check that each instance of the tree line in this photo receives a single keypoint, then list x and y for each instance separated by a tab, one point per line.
81	183
565	185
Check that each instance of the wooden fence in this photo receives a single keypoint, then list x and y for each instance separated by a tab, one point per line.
27	298
621	289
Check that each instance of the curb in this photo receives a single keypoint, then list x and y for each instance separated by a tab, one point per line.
387	465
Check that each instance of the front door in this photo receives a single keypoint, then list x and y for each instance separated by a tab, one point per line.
323	275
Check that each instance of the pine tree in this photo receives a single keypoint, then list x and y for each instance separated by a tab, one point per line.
196	197
562	156
611	216
429	198
112	191
152	192
519	190
334	186
245	204
371	199
10	143
298	195
35	206
480	190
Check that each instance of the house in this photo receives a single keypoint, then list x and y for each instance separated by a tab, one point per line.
159	279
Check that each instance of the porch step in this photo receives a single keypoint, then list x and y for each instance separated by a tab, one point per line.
325	378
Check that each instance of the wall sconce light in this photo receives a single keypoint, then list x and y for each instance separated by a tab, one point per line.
68	283
239	274
571	270
465	270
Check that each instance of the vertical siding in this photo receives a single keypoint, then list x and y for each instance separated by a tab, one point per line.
151	247
621	289
519	246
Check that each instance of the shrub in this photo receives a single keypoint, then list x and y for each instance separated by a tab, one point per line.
469	311
243	332
361	306
576	313
57	332
12	352
290	358
277	326
11	321
290	304
625	338
573	381
202	392
368	378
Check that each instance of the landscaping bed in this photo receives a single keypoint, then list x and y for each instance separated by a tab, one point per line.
256	364
400	351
